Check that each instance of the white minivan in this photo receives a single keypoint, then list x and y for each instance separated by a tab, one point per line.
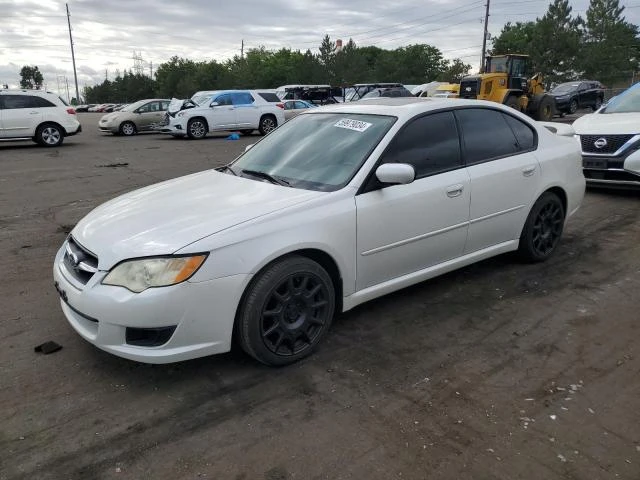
36	115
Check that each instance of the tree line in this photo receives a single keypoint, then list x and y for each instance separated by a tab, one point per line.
602	46
262	68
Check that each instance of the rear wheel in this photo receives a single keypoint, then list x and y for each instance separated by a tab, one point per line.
598	104
286	311
268	123
127	129
197	128
49	135
543	228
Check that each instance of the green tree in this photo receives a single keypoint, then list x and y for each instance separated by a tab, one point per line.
610	50
31	77
454	71
515	38
327	59
556	43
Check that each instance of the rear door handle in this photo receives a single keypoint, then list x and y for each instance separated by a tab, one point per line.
528	171
455	190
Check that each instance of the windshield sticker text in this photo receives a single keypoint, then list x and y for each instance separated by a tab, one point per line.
350	124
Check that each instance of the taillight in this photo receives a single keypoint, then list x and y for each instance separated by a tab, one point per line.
280	105
71	111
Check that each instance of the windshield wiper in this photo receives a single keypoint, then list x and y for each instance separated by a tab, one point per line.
228	168
266	176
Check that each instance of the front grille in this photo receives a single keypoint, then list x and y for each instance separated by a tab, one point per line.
469	88
611	175
609	143
80	262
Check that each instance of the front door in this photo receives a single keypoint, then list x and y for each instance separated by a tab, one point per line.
407	228
223	115
504	171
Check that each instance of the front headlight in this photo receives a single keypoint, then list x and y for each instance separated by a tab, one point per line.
180	114
138	275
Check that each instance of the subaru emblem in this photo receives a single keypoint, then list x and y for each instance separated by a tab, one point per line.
600	143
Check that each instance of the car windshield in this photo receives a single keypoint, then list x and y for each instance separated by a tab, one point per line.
627	102
134	106
316	152
565	88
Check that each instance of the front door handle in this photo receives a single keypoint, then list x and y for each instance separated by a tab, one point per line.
455	190
528	171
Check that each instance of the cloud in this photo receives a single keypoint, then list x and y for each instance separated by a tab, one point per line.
106	33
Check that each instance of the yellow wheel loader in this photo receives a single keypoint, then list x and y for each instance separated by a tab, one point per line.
505	80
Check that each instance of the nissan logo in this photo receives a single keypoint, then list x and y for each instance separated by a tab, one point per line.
600	143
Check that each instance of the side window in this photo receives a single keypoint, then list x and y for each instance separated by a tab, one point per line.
486	135
242	98
146	108
224	100
430	143
300	105
525	135
288	105
41	102
20	101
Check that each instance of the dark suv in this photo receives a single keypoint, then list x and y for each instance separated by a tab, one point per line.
571	96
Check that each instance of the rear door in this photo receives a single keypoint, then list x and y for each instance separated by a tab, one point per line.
148	115
21	115
499	153
247	112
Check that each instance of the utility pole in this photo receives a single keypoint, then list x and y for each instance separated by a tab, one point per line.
485	34
242	49
68	98
151	70
73	55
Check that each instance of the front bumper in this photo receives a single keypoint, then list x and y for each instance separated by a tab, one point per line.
107	128
175	129
202	313
608	171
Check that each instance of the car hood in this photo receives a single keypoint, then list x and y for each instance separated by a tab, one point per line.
163	218
608	124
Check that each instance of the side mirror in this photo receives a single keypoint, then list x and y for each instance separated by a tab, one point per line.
396	173
246	149
214	104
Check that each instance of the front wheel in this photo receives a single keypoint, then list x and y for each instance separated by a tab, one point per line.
286	311
573	106
196	128
49	135
543	228
127	129
545	110
268	124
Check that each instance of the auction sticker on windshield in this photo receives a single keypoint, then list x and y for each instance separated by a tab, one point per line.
350	124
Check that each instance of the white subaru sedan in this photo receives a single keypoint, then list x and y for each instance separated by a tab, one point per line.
338	206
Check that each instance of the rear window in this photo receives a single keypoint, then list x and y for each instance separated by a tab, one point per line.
270	97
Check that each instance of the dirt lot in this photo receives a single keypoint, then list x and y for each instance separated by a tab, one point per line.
497	371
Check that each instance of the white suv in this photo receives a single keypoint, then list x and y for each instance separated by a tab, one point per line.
225	110
36	115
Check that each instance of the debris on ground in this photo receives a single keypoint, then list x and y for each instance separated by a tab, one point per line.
113	165
48	347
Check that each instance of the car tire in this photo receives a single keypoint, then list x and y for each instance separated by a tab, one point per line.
286	311
544	108
268	123
512	102
197	128
49	135
543	229
127	129
598	104
573	106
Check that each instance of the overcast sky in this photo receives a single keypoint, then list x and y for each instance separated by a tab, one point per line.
107	32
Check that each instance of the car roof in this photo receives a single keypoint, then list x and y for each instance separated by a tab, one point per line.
28	92
405	106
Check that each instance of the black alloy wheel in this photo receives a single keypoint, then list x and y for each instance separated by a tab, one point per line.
287	311
543	229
